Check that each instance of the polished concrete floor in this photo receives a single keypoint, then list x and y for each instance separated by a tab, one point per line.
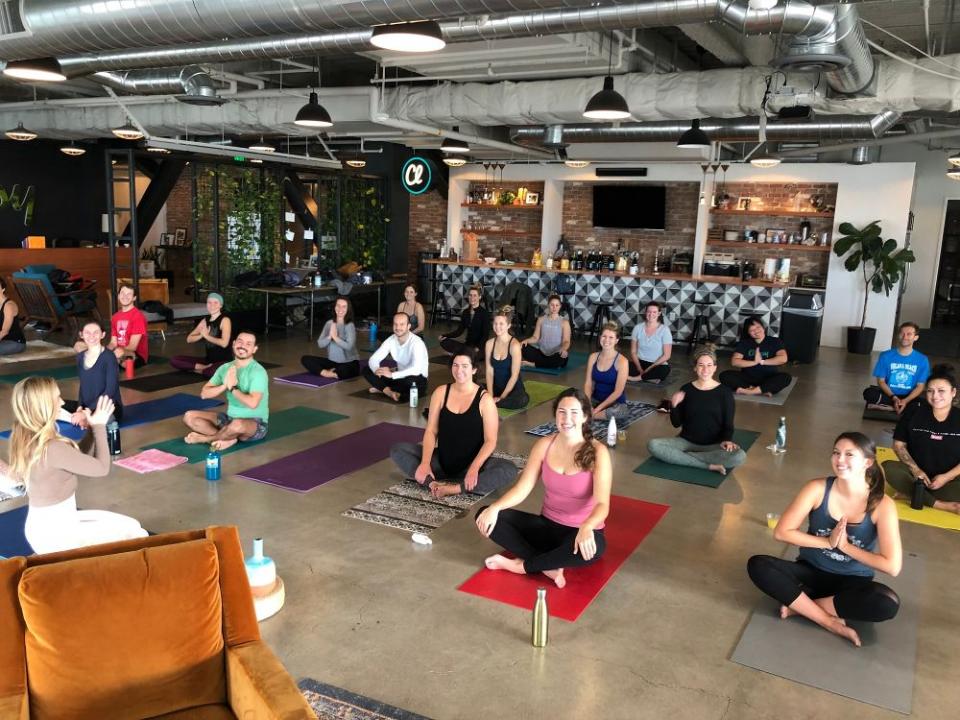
372	612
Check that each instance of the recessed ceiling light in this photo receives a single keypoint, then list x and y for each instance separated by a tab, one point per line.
694	138
607	104
576	164
72	150
454	161
261	146
21	133
127	132
39	70
313	114
413	37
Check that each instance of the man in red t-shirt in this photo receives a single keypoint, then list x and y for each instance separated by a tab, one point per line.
128	330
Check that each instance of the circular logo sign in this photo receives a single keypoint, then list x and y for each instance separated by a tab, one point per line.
416	176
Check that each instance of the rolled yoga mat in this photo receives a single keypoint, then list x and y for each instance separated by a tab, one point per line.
575	361
695	476
310	468
628	523
281	424
879	673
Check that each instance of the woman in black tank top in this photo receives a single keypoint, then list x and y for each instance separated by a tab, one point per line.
12	340
215	331
460	436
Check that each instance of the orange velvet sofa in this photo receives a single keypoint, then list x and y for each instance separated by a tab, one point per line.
158	627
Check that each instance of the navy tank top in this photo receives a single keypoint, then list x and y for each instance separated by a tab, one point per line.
501	371
862	535
605	382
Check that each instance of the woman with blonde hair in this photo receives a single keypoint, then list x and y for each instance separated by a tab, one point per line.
606	387
48	465
503	373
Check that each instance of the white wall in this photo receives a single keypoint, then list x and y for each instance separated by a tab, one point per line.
932	189
881	191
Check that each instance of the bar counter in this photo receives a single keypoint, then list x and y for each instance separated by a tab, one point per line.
726	301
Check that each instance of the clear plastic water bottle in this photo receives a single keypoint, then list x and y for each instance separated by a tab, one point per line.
213	464
113	437
781	442
612	432
414	396
373	334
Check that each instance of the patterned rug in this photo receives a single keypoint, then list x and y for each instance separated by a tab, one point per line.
333	703
410	506
636	411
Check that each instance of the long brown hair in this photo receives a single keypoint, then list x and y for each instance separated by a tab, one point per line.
34	403
875	476
586	455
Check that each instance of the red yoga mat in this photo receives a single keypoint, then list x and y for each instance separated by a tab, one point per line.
629	522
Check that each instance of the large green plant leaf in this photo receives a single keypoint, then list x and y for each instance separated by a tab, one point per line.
852	262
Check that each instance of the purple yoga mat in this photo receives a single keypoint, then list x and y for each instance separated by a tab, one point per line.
306	379
307	469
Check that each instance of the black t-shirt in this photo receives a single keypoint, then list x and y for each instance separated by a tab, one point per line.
215	353
705	417
768	349
934	445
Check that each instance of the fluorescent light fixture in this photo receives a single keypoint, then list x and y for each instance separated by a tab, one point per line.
261	146
72	150
413	37
127	132
21	133
313	114
607	104
253	156
454	161
39	70
576	164
694	138
256	161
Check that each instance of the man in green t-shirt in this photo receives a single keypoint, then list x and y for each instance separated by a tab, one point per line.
247	386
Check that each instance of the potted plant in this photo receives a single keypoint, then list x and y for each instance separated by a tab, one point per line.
882	264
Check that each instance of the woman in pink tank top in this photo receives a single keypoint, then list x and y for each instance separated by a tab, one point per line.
576	475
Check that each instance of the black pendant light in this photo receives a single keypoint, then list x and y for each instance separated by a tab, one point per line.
694	138
313	114
452	145
39	69
412	37
607	104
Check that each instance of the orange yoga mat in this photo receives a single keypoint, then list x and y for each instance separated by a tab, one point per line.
629	522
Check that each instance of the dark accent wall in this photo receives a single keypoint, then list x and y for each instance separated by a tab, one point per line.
69	194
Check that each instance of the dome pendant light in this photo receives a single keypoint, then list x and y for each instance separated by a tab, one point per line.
954	159
694	138
452	145
39	70
954	173
127	132
72	150
21	133
313	114
576	164
261	146
413	37
764	159
607	104
454	161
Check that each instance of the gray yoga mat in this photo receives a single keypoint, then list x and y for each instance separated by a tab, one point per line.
779	399
879	673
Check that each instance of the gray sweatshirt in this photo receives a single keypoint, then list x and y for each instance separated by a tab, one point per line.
344	348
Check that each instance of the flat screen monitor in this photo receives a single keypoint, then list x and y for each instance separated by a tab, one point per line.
629	206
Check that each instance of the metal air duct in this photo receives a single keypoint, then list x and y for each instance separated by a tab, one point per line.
190	84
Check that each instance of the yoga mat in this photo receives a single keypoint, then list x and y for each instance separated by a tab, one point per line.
63	372
779	399
879	673
539	393
163	381
329	701
38	350
68	430
310	468
12	540
575	361
283	423
409	506
440	360
424	401
629	522
306	379
872	412
694	476
928	516
636	411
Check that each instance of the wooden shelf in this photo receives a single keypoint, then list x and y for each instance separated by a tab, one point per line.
484	206
763	246
505	233
772	213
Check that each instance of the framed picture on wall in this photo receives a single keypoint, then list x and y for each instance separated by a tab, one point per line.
181	236
166	239
532	198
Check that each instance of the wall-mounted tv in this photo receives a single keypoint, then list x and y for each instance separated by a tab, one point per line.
629	206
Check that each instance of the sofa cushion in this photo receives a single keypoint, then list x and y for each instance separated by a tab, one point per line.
131	635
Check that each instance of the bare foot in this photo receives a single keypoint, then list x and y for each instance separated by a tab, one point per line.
195	438
948	505
718	468
557	577
499	562
527	363
634	378
442	489
838	627
373	390
223	444
328	374
786	612
392	394
200	367
749	391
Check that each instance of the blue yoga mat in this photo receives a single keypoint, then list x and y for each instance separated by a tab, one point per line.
144	412
575	361
12	540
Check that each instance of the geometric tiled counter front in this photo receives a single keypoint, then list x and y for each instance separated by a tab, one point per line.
730	302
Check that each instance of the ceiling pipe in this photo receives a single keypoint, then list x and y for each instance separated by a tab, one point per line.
880	142
838	127
191	84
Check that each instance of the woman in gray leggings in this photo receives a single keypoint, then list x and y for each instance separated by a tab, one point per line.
703	410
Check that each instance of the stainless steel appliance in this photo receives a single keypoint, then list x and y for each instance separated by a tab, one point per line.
722	264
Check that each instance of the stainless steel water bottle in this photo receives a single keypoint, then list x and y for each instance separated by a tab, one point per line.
541	619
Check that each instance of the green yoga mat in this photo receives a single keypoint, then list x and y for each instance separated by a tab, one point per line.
63	372
575	361
283	423
695	476
539	392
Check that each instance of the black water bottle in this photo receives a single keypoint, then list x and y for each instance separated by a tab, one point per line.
916	500
113	437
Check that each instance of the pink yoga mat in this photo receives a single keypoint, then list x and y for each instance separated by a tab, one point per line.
310	468
629	522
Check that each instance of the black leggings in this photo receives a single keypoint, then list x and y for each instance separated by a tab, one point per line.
542	543
658	374
532	353
854	597
400	385
772	384
455	347
345	371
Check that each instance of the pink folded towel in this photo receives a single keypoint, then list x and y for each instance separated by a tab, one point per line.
150	461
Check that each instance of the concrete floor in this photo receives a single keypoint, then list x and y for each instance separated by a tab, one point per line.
370	611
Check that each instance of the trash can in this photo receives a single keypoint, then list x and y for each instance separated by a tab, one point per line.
800	326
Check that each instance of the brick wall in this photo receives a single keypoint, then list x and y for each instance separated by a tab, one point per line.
682	199
428	226
526	219
180	204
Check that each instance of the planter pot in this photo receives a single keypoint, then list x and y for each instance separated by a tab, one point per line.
860	340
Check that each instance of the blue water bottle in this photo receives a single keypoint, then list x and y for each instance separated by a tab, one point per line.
213	464
373	334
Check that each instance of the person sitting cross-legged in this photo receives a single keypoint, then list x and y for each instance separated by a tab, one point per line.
757	358
215	330
503	373
460	436
247	387
549	346
411	364
651	346
339	338
900	372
